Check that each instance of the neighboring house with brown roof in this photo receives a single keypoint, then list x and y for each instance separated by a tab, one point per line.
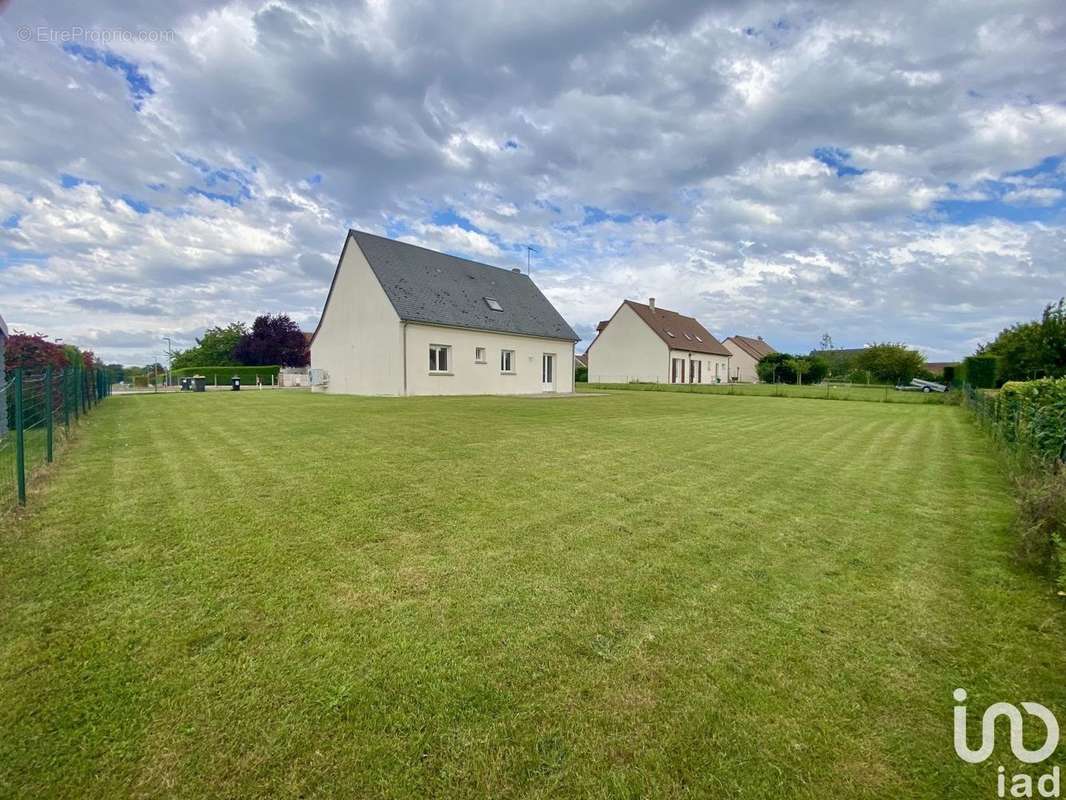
937	367
646	343
582	360
747	353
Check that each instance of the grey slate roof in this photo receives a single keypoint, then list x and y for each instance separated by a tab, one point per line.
427	286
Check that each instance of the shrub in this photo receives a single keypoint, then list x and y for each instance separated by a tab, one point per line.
581	374
222	375
1042	519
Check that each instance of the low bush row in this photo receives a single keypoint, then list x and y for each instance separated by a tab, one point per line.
1029	420
222	375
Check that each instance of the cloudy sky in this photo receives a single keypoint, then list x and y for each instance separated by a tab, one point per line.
880	171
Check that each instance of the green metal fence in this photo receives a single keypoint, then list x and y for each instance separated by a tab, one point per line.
41	410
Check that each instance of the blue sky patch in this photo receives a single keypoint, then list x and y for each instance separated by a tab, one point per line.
139	85
139	206
396	228
70	181
1049	166
594	216
1008	199
12	221
228	199
447	216
837	158
229	185
963	212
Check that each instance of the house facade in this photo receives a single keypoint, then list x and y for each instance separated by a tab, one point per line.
404	320
747	352
645	343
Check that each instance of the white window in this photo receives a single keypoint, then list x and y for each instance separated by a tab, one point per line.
440	357
480	356
493	303
507	361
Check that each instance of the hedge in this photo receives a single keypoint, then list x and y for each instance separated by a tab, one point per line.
981	372
223	374
1029	420
1032	414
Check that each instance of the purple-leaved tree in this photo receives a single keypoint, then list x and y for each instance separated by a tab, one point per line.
272	340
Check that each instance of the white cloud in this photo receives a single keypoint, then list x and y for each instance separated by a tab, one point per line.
686	134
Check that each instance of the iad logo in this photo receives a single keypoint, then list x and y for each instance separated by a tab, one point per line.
1022	785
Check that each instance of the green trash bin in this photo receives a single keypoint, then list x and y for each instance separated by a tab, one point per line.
235	384
199	383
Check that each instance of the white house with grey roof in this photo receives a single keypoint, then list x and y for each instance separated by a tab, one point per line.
403	320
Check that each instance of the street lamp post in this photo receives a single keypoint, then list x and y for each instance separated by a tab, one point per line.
170	357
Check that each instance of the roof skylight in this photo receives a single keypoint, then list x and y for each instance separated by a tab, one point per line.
493	304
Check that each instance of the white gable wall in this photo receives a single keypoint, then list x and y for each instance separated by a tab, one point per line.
359	341
465	376
628	350
742	366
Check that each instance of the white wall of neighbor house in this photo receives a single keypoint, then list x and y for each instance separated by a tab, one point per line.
743	366
465	374
628	350
698	368
359	340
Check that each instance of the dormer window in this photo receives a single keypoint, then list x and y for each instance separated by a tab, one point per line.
493	304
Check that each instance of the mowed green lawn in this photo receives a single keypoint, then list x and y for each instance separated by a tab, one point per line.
642	594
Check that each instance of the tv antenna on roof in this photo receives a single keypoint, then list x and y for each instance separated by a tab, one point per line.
529	257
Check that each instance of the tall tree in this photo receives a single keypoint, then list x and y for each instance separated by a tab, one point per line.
214	349
1032	349
273	340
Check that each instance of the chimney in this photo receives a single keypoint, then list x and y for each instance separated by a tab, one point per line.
651	303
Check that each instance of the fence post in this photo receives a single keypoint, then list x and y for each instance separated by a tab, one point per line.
49	400
65	388
20	439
